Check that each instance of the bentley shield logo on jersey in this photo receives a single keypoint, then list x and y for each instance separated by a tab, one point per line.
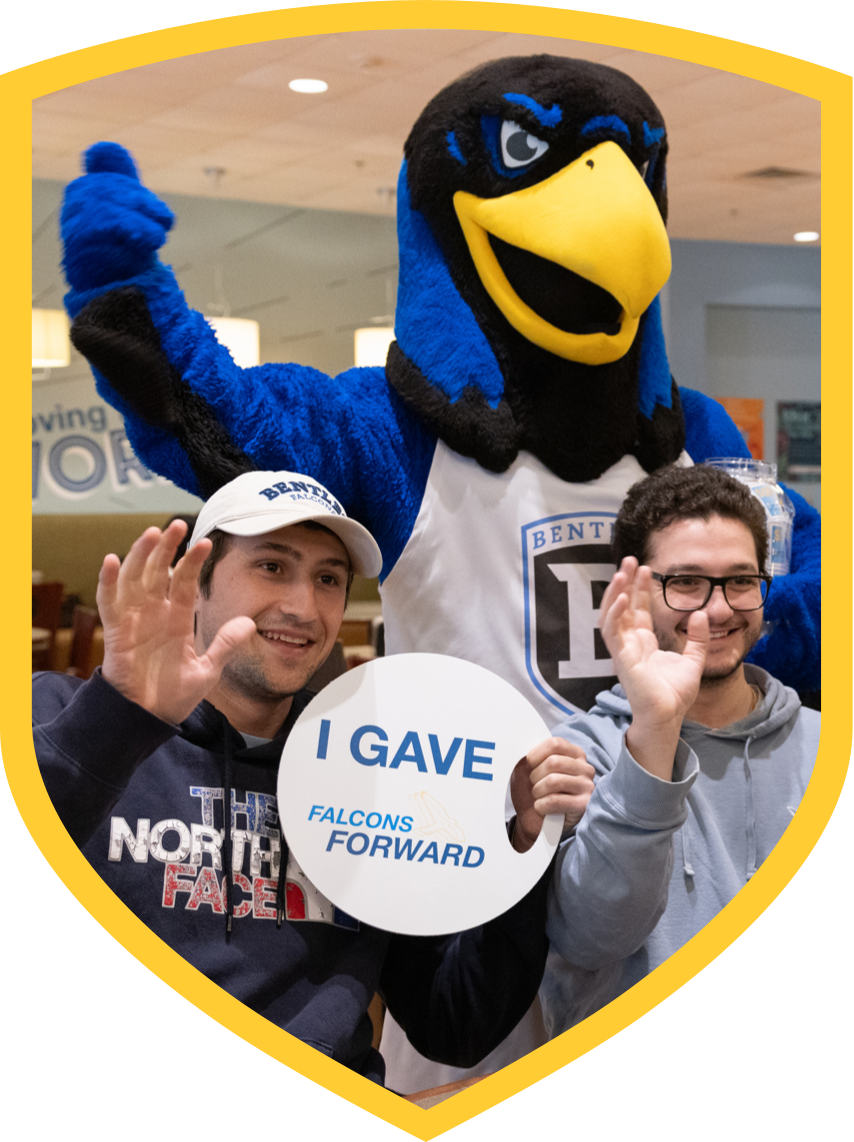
566	568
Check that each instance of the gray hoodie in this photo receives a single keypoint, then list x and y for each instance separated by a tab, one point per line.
652	861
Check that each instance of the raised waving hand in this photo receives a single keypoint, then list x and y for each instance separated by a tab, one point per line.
149	647
661	685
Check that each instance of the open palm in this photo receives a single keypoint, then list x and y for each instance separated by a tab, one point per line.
149	648
662	684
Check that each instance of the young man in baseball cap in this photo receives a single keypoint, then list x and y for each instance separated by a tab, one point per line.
179	735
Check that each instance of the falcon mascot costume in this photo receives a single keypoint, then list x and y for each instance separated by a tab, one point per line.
527	389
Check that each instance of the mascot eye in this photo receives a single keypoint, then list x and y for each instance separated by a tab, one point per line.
518	148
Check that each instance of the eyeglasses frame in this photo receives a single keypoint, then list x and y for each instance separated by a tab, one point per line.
713	582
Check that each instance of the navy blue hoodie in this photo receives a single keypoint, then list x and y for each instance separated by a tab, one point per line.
145	802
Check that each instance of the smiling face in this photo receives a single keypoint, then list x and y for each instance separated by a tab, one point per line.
715	547
293	584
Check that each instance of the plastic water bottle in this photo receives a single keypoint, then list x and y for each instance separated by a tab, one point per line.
761	478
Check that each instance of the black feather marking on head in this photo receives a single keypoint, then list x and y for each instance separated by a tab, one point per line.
468	425
583	90
661	438
116	334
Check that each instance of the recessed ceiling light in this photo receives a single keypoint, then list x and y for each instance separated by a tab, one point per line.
308	86
806	236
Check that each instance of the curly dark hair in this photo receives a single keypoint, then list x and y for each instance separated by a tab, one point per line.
673	494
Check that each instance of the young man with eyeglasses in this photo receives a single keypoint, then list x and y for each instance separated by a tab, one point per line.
701	759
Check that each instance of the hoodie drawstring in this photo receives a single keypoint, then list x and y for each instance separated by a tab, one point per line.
749	812
749	822
280	887
686	854
227	844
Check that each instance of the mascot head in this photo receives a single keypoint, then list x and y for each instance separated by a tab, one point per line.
531	218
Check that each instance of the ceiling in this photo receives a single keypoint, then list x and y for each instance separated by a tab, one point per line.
298	230
232	111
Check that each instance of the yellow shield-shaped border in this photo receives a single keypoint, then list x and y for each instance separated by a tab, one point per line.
183	1061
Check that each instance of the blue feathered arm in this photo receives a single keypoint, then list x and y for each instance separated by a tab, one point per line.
351	432
792	647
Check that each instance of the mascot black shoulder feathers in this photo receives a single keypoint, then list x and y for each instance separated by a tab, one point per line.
527	389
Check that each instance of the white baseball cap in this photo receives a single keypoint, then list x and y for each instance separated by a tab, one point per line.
258	502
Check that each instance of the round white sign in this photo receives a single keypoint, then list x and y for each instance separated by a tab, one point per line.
392	791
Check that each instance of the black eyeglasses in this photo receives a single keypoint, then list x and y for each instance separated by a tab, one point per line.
691	592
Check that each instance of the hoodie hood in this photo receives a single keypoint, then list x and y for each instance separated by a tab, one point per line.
779	703
208	728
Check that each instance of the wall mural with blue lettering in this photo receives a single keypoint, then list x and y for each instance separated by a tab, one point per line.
82	461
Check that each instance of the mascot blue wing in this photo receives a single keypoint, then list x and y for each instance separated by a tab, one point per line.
793	611
194	416
351	431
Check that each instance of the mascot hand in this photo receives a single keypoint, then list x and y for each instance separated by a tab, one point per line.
112	226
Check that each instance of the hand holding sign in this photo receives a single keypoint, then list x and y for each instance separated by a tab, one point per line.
554	778
392	789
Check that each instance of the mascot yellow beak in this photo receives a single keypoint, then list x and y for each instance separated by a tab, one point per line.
597	218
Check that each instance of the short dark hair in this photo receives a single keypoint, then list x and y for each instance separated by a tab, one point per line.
222	541
672	494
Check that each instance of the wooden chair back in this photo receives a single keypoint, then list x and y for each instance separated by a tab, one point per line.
47	609
83	625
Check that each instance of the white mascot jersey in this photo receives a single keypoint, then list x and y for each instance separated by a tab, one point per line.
510	570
